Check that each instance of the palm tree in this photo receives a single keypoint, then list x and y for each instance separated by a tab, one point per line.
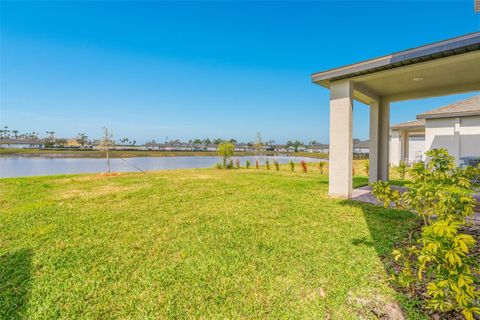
15	133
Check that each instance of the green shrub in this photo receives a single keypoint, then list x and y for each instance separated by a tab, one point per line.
441	259
230	164
292	165
247	164
366	167
267	164
321	164
218	166
402	169
277	166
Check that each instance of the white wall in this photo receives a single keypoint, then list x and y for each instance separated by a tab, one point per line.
395	147
460	136
470	136
416	148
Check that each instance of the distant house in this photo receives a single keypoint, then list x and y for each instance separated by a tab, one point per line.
360	146
199	147
211	147
318	148
72	143
241	147
21	144
279	148
128	147
154	146
455	127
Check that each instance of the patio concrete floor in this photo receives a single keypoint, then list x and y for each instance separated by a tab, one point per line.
364	194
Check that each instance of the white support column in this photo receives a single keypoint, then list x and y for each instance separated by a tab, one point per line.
405	145
379	139
373	142
383	139
341	150
455	151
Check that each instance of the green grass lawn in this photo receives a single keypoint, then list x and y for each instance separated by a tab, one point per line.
193	244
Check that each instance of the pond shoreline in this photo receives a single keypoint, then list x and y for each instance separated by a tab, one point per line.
95	154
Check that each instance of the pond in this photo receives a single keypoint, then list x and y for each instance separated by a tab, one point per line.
40	166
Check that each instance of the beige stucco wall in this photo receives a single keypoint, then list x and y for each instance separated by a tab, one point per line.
460	135
395	148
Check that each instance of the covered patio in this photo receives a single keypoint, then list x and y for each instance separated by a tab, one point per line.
442	68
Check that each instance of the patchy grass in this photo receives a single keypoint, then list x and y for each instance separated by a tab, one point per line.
194	244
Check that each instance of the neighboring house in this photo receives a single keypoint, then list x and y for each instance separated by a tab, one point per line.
319	148
127	147
360	146
21	144
211	147
279	148
241	147
155	146
455	127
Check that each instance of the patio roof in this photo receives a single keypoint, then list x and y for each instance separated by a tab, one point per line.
445	67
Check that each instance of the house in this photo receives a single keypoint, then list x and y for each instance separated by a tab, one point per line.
455	127
442	68
360	146
318	148
241	147
279	148
21	144
211	147
72	143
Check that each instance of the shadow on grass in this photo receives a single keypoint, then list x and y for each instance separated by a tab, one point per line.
388	228
15	283
360	181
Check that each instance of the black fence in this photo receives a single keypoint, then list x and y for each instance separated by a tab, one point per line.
360	156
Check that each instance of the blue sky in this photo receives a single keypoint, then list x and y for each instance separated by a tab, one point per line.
149	70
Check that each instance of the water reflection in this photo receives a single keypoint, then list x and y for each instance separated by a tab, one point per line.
38	166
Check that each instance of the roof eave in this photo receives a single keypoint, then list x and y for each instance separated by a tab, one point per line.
469	42
449	115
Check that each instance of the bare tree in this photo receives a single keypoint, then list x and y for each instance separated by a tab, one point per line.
106	143
258	143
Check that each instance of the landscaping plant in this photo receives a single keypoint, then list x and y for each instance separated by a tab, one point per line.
267	164
226	150
402	169
366	167
277	166
321	164
304	166
440	260
292	165
230	164
247	164
105	144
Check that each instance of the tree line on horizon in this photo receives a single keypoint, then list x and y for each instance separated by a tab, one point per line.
83	139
